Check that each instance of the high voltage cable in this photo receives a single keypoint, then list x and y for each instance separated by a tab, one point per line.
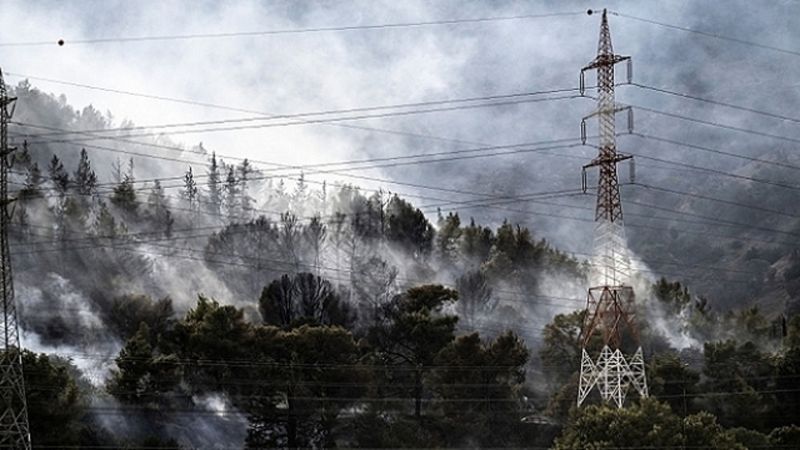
715	102
516	199
162	239
382	26
417	104
720	172
697	168
711	220
716	124
474	194
527	212
278	166
312	121
728	174
305	167
707	34
125	246
367	399
532	198
717	151
243	110
702	168
262	117
293	269
714	199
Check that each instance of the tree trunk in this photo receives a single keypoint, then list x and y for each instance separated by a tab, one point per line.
291	424
418	394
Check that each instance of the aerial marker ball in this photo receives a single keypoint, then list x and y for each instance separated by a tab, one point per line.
61	42
589	12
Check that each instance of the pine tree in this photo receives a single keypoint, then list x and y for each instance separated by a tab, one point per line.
33	183
189	191
245	169
124	196
214	191
159	208
281	201
231	189
104	223
60	179
116	170
300	196
58	175
85	178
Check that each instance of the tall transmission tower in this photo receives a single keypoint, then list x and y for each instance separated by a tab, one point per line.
610	315
14	426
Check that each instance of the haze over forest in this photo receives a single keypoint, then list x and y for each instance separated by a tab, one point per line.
376	237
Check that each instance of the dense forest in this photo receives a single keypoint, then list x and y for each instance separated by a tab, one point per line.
215	304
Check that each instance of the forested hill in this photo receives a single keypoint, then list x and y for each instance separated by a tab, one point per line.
181	298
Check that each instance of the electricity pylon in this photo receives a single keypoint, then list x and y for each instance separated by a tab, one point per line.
14	426
610	312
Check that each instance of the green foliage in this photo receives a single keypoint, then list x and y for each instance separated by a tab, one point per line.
142	374
58	175
750	439
671	380
85	178
785	437
408	228
213	339
467	370
476	243
787	374
744	371
124	196
158	209
56	405
672	294
644	425
447	238
415	333
214	188
560	353
315	377
127	312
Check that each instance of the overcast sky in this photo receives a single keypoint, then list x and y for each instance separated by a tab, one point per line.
334	70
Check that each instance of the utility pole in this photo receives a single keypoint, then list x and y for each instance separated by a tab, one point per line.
14	426
610	312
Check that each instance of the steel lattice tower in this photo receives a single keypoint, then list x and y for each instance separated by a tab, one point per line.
610	310
14	426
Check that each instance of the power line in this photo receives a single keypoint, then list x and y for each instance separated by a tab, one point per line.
315	121
304	167
293	267
721	172
708	170
707	34
717	151
262	117
718	200
383	26
716	124
248	111
716	102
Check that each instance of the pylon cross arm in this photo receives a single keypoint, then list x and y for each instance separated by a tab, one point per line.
605	60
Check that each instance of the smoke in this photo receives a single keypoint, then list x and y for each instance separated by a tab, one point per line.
673	325
216	424
58	319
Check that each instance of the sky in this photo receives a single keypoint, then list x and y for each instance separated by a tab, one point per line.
290	73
